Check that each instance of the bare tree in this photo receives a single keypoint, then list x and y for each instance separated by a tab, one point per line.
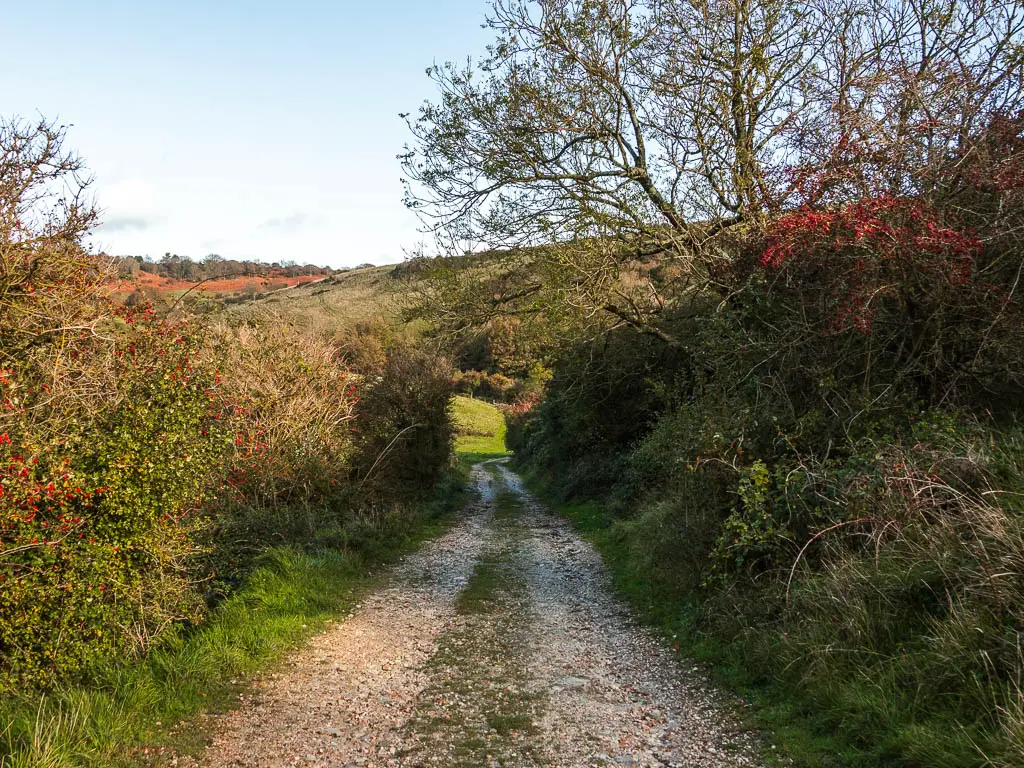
630	129
640	129
45	213
618	117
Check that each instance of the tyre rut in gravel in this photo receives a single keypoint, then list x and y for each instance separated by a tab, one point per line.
480	707
498	644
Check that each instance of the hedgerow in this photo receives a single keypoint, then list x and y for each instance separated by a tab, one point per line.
100	519
821	486
147	458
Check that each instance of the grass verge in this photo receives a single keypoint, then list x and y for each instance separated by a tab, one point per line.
149	710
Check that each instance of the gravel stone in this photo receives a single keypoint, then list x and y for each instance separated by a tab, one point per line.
602	691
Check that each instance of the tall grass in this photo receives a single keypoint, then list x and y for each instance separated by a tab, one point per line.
889	638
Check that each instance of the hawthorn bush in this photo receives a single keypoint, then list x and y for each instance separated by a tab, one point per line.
897	295
107	436
100	521
403	438
820	486
147	458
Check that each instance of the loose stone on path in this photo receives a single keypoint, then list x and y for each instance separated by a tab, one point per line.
497	644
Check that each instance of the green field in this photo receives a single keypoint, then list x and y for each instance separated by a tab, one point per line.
480	429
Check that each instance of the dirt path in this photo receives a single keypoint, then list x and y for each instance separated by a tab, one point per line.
495	645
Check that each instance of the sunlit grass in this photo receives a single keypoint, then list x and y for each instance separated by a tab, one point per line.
480	430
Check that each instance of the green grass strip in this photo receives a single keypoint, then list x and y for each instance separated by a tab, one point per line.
129	711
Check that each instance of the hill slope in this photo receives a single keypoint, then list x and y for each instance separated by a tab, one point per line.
368	295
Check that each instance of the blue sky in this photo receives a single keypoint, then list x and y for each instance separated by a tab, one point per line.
250	129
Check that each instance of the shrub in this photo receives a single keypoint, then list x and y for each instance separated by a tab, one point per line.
292	400
99	519
404	434
489	386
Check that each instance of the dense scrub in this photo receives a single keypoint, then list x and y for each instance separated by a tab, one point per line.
147	458
772	253
821	484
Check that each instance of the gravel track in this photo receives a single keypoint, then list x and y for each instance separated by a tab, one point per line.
498	644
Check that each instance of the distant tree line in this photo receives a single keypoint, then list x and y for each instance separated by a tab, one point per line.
212	267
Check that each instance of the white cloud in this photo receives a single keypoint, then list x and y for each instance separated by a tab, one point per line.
127	202
288	224
125	223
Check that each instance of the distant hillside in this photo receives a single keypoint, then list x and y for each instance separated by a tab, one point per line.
213	267
151	286
365	295
139	279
